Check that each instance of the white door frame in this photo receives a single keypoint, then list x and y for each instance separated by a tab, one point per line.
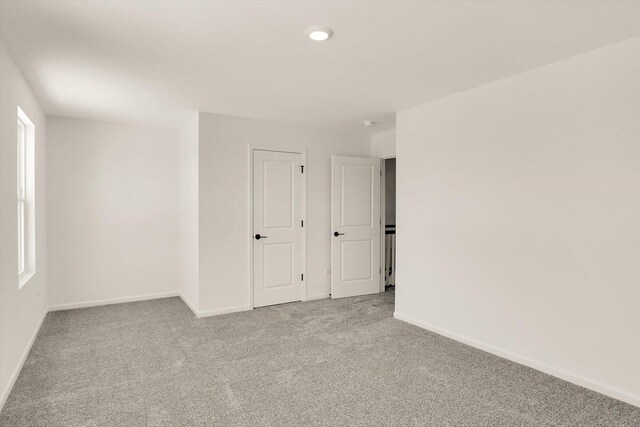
251	149
383	203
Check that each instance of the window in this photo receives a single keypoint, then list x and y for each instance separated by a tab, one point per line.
22	199
26	198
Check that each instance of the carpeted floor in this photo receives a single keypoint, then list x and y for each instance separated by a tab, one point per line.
329	362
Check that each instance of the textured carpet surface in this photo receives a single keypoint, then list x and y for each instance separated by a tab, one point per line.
329	362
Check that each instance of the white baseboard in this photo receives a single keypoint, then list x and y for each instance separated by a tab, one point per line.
559	373
218	311
318	296
215	312
188	304
23	358
110	301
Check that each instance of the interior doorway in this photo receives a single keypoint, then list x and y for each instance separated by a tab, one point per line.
388	213
278	238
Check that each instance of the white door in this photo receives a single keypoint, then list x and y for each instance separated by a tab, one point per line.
277	227
355	221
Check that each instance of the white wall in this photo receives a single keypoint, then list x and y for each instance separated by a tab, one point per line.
383	144
224	202
189	251
21	310
519	215
113	211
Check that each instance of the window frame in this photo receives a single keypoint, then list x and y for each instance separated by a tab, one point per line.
25	198
21	193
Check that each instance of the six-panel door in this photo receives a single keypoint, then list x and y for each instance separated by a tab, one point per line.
277	227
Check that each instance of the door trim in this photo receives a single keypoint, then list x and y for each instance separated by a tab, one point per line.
383	220
251	149
383	210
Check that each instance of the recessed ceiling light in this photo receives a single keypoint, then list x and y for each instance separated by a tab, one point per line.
319	33
368	123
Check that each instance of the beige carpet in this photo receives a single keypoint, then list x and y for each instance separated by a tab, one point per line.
342	362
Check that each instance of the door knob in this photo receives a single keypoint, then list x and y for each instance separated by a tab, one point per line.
258	237
336	234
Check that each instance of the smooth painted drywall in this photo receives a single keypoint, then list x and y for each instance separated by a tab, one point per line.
519	211
21	310
189	251
225	236
147	60
113	211
383	144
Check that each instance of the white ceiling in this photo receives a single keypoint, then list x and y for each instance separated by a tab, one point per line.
152	61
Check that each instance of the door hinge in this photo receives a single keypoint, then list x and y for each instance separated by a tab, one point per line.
302	223
380	270
302	277
302	168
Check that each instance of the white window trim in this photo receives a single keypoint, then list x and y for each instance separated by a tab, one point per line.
21	190
25	190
